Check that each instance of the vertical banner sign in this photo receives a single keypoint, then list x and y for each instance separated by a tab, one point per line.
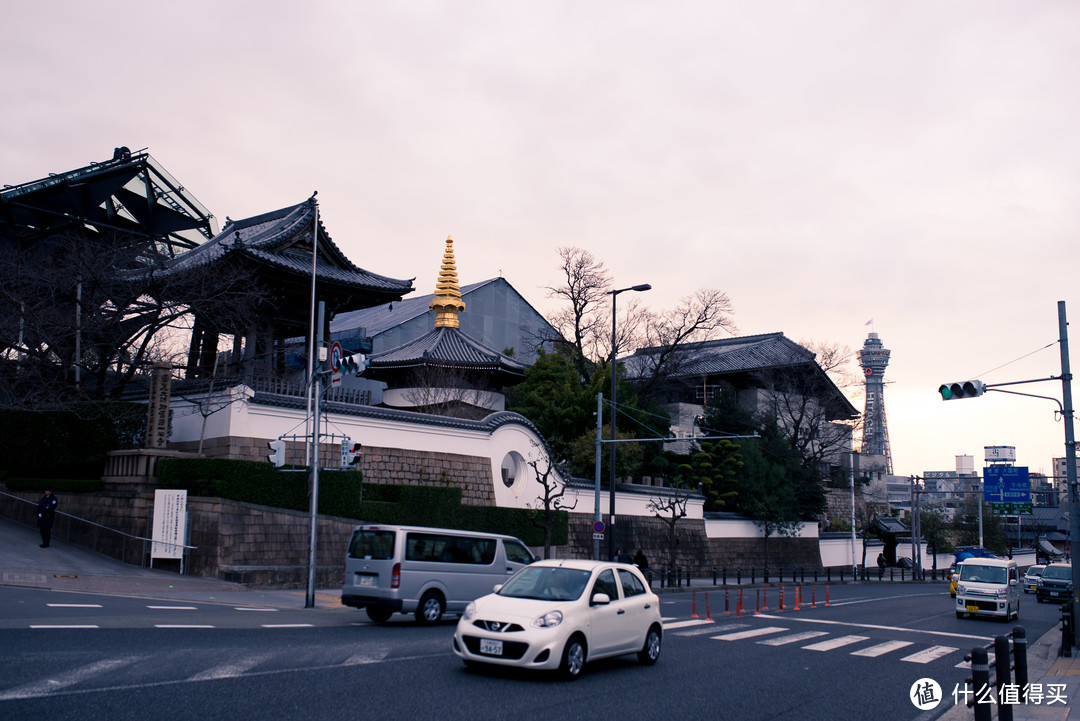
170	524
157	410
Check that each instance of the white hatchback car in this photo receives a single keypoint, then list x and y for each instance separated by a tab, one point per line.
558	614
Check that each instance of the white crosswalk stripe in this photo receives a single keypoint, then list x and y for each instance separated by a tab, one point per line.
837	642
701	631
791	638
751	633
686	624
881	649
930	654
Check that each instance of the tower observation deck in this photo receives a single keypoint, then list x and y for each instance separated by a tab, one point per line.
873	358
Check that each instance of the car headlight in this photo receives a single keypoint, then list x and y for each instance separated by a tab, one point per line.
960	589
548	620
470	611
1002	593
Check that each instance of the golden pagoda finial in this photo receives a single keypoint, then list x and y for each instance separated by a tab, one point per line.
447	302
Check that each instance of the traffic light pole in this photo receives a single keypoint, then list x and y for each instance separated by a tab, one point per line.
1070	456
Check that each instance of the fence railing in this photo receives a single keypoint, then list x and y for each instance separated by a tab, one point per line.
112	542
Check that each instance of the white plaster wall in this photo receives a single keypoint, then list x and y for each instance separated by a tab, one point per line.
745	528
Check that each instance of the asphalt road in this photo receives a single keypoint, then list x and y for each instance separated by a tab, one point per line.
152	658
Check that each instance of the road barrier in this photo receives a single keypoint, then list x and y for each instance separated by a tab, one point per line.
983	697
693	608
708	614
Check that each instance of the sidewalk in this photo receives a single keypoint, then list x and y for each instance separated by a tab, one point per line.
67	567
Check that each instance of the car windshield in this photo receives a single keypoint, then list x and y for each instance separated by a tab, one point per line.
1035	571
546	583
1057	572
982	574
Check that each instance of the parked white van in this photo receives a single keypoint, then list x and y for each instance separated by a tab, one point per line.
426	571
988	587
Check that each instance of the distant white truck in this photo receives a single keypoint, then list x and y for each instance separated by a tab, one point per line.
988	587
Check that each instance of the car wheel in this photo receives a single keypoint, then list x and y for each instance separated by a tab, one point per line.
573	658
379	614
649	654
959	614
1038	598
430	609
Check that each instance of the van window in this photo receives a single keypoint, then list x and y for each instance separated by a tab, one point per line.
516	553
439	548
376	545
983	574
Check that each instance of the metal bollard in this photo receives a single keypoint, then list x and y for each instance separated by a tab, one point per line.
714	575
1020	660
980	683
1002	664
738	576
1066	630
724	574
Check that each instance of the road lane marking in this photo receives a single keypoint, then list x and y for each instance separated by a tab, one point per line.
930	654
686	624
73	605
740	635
876	627
173	608
59	683
231	670
60	625
881	649
252	608
288	625
791	638
834	643
180	625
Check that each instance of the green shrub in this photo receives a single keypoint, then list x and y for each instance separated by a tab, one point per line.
340	495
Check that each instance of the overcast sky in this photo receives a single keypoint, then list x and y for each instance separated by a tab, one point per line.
823	162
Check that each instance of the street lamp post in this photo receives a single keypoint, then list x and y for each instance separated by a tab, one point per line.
614	411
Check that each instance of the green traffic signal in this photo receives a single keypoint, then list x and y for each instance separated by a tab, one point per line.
961	389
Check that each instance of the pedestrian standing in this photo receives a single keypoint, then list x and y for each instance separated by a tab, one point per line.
881	563
46	514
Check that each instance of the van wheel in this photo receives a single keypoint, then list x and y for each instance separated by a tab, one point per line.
431	608
959	614
379	614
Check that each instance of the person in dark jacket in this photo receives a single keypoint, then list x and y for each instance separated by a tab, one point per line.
46	514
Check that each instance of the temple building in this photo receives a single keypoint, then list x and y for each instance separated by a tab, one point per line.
446	371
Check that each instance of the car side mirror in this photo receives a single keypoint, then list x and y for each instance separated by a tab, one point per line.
498	586
600	599
1012	581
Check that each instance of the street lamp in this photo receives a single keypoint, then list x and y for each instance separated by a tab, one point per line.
614	411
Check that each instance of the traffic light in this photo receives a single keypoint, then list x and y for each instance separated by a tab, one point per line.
277	455
961	389
353	365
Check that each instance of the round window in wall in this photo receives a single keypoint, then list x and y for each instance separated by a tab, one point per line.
513	472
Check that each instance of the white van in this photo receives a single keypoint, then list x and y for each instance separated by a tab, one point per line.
988	587
426	571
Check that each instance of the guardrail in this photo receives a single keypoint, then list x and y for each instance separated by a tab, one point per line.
97	537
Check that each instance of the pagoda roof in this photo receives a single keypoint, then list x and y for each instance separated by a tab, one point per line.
281	240
444	347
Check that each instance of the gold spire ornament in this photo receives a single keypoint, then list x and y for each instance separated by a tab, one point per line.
447	302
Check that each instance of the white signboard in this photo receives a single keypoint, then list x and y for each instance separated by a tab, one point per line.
1000	454
170	524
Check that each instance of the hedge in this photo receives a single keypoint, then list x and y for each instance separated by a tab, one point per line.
340	495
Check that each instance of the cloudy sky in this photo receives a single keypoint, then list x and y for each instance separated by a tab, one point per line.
824	163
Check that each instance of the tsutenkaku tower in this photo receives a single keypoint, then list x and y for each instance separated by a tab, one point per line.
873	358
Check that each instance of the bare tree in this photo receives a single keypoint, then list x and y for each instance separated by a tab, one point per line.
701	316
671	508
586	285
447	391
81	316
552	499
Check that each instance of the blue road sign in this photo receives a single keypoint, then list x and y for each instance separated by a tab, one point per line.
1006	484
598	527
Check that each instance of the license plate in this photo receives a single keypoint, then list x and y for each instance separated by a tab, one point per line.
1055	593
365	580
490	648
972	609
